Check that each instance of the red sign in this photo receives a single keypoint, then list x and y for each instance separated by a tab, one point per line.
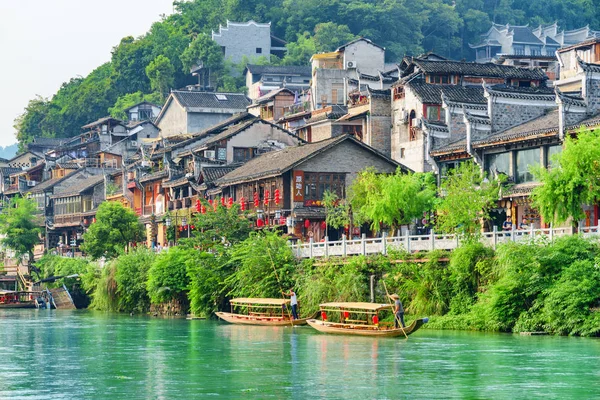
298	186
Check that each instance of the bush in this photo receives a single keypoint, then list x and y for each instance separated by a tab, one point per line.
167	277
131	277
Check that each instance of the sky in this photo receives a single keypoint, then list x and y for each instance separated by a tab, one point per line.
44	43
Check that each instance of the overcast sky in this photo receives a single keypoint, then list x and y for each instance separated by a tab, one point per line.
44	43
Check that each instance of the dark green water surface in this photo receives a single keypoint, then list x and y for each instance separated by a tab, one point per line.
86	355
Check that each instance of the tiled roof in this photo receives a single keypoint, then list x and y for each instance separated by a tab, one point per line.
277	162
212	173
182	140
232	130
43	141
103	121
80	185
6	171
431	93
523	34
48	184
302	70
272	94
191	99
479	69
547	123
154	176
358	40
336	112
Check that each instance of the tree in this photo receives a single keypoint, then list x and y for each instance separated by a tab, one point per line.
336	209
204	49
300	51
131	99
17	223
115	228
394	200
572	181
466	199
161	74
329	36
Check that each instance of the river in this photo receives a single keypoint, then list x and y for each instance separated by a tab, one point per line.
89	355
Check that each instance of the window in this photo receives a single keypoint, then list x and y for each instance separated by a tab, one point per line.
315	184
222	153
221	97
447	167
258	50
243	154
481	53
441	79
519	50
498	163
144	112
223	50
525	159
402	152
552	151
337	93
434	113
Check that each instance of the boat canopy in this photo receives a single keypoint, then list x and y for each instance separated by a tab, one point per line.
259	301
357	306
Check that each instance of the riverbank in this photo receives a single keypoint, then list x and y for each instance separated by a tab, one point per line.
551	287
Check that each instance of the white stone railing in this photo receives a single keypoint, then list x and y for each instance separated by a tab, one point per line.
432	241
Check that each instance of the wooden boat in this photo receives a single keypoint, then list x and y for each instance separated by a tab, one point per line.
267	312
15	299
360	319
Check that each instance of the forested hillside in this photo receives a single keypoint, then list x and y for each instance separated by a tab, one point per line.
145	68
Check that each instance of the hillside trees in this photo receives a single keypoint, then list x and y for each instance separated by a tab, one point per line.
18	225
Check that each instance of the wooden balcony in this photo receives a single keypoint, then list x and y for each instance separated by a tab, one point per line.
68	219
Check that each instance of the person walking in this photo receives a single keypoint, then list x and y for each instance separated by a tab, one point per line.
398	310
293	302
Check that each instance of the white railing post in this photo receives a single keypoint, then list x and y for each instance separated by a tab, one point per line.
344	245
495	237
457	239
407	241
326	244
531	231
551	233
364	244
512	233
310	244
383	243
431	240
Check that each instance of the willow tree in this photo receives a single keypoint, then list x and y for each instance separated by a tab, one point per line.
572	181
392	200
466	198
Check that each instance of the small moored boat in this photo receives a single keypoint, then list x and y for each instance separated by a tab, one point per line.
360	319
267	312
15	299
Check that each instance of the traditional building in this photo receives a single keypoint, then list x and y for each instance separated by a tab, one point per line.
272	106
190	111
248	40
143	111
286	187
262	79
526	41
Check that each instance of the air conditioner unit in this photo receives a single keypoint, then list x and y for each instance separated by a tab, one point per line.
350	64
189	175
210	154
416	122
31	183
145	163
404	117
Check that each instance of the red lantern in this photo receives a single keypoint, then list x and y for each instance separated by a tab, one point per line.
323	225
256	200
203	209
306	223
260	223
192	227
230	202
210	202
277	197
323	315
198	206
223	201
346	315
282	220
375	319
243	204
267	197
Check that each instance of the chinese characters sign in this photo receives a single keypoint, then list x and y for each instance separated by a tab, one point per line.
298	185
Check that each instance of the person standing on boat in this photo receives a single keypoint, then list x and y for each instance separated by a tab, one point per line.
398	310
293	303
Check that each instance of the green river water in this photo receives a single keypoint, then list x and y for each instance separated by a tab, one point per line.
87	355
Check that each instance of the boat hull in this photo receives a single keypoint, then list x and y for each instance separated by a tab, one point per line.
363	330
242	319
29	304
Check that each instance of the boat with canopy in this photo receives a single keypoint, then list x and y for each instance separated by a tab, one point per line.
17	299
356	318
261	311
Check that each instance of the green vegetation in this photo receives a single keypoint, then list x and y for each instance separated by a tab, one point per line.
115	228
18	225
146	66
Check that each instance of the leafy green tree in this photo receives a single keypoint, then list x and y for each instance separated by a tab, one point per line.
161	74
467	197
167	277
18	224
573	181
217	229
131	277
336	209
329	36
115	228
394	200
203	49
300	51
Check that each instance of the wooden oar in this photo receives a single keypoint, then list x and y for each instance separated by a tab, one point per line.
280	287
395	316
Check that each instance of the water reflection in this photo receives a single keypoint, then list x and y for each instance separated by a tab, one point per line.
93	355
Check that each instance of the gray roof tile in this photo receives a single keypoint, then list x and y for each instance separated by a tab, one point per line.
196	99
